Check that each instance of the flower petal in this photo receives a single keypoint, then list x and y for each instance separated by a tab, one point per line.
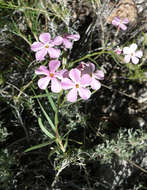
126	50
55	85
84	93
125	21
43	82
54	65
54	53
135	60
116	21
123	26
95	84
127	58
75	75
139	53
92	67
41	54
118	50
133	47
36	46
45	38
72	95
42	70
85	80
99	74
67	44
57	40
62	74
67	83
74	37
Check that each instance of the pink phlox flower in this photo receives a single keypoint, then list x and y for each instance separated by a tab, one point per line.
89	68
120	23
132	54
44	47
118	50
67	39
77	84
50	75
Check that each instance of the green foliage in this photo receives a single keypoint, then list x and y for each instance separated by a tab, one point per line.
6	162
71	137
125	146
3	132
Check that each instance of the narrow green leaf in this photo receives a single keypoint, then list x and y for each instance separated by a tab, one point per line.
47	117
39	146
51	101
66	143
43	128
39	96
56	119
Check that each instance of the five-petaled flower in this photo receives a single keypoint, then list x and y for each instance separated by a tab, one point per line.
77	84
50	75
120	23
66	40
132	54
44	47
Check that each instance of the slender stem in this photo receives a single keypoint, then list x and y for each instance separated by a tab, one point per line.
145	171
57	135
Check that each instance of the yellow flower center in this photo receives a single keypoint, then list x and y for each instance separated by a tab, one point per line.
77	85
47	46
51	75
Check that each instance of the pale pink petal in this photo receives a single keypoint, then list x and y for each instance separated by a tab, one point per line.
43	82
117	19
42	70
41	54
36	46
133	47
54	53
135	60
85	80
45	38
84	93
127	58
125	21
54	65
92	67
99	74
123	26
72	95
139	53
95	84
74	37
75	75
55	85
67	43
87	69
67	84
118	50
62	74
57	40
115	22
126	50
